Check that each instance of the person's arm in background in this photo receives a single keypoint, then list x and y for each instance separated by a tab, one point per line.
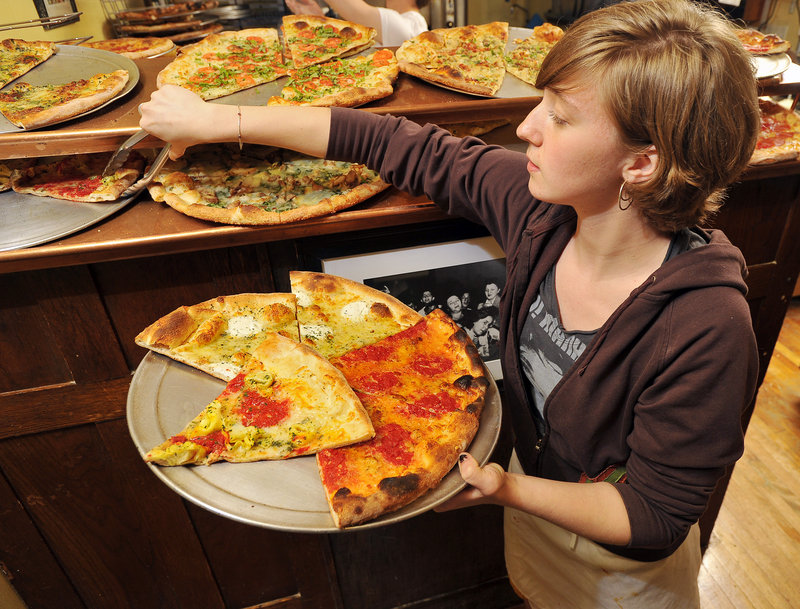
352	10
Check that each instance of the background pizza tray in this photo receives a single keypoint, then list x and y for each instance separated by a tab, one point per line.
70	63
767	66
27	220
285	495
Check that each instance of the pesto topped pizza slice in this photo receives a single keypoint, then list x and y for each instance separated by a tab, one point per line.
17	57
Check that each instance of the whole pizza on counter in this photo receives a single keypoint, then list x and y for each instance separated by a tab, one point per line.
387	411
260	185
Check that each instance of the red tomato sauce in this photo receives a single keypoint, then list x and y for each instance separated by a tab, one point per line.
392	442
263	410
433	405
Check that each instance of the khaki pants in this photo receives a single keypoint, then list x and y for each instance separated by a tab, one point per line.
552	568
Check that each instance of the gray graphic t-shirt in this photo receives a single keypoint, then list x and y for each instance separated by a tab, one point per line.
547	350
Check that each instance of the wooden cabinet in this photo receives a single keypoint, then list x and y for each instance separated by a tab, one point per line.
84	523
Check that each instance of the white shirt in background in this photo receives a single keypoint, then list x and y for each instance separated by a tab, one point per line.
399	27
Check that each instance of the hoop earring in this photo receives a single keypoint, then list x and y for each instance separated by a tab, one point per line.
624	198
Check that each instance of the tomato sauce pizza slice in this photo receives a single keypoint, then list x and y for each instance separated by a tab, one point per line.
311	39
424	389
287	402
779	136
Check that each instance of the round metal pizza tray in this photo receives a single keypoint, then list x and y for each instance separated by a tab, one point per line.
27	220
767	66
284	495
70	63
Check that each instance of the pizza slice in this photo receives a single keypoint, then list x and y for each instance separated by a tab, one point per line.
31	107
133	48
287	401
525	60
779	135
312	39
17	57
77	177
337	315
758	43
349	82
424	389
217	336
226	62
468	58
223	184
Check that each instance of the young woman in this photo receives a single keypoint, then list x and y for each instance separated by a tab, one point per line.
396	23
627	348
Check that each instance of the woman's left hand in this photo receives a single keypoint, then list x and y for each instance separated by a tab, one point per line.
484	483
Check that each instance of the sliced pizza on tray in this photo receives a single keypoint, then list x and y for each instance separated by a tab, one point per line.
76	177
525	60
348	82
226	63
468	58
386	399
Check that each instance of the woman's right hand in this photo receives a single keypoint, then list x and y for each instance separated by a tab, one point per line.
181	117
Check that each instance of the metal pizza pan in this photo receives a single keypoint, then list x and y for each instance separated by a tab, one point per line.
27	220
71	63
284	495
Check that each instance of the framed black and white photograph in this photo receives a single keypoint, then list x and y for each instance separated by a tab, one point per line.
463	278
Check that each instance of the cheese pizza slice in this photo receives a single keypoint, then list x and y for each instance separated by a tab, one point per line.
336	314
219	335
287	401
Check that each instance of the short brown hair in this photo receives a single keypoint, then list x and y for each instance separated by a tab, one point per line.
422	3
672	74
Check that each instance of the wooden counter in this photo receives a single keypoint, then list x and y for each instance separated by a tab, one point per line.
85	523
